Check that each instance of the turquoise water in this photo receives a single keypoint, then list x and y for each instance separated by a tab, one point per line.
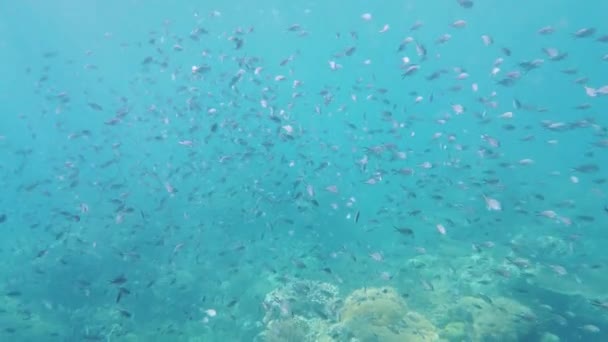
298	171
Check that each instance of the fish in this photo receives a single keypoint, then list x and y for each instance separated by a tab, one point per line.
492	204
587	168
590	328
465	3
546	30
404	230
119	280
427	285
41	253
600	304
121	291
125	313
95	106
584	32
485	298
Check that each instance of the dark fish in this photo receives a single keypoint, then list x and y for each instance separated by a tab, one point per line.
404	230
357	216
2	218
587	168
416	26
41	253
465	3
121	291
124	313
350	51
433	76
238	43
95	106
299	264
294	27
70	216
600	304
516	104
507	82
585	218
49	54
119	280
485	298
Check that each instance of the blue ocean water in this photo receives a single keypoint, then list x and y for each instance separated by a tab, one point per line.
304	171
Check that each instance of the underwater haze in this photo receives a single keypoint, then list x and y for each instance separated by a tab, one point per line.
304	171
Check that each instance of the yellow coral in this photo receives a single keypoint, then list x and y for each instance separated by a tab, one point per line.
379	305
380	314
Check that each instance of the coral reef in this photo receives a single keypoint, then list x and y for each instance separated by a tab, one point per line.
296	329
373	314
309	299
501	320
301	311
380	314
